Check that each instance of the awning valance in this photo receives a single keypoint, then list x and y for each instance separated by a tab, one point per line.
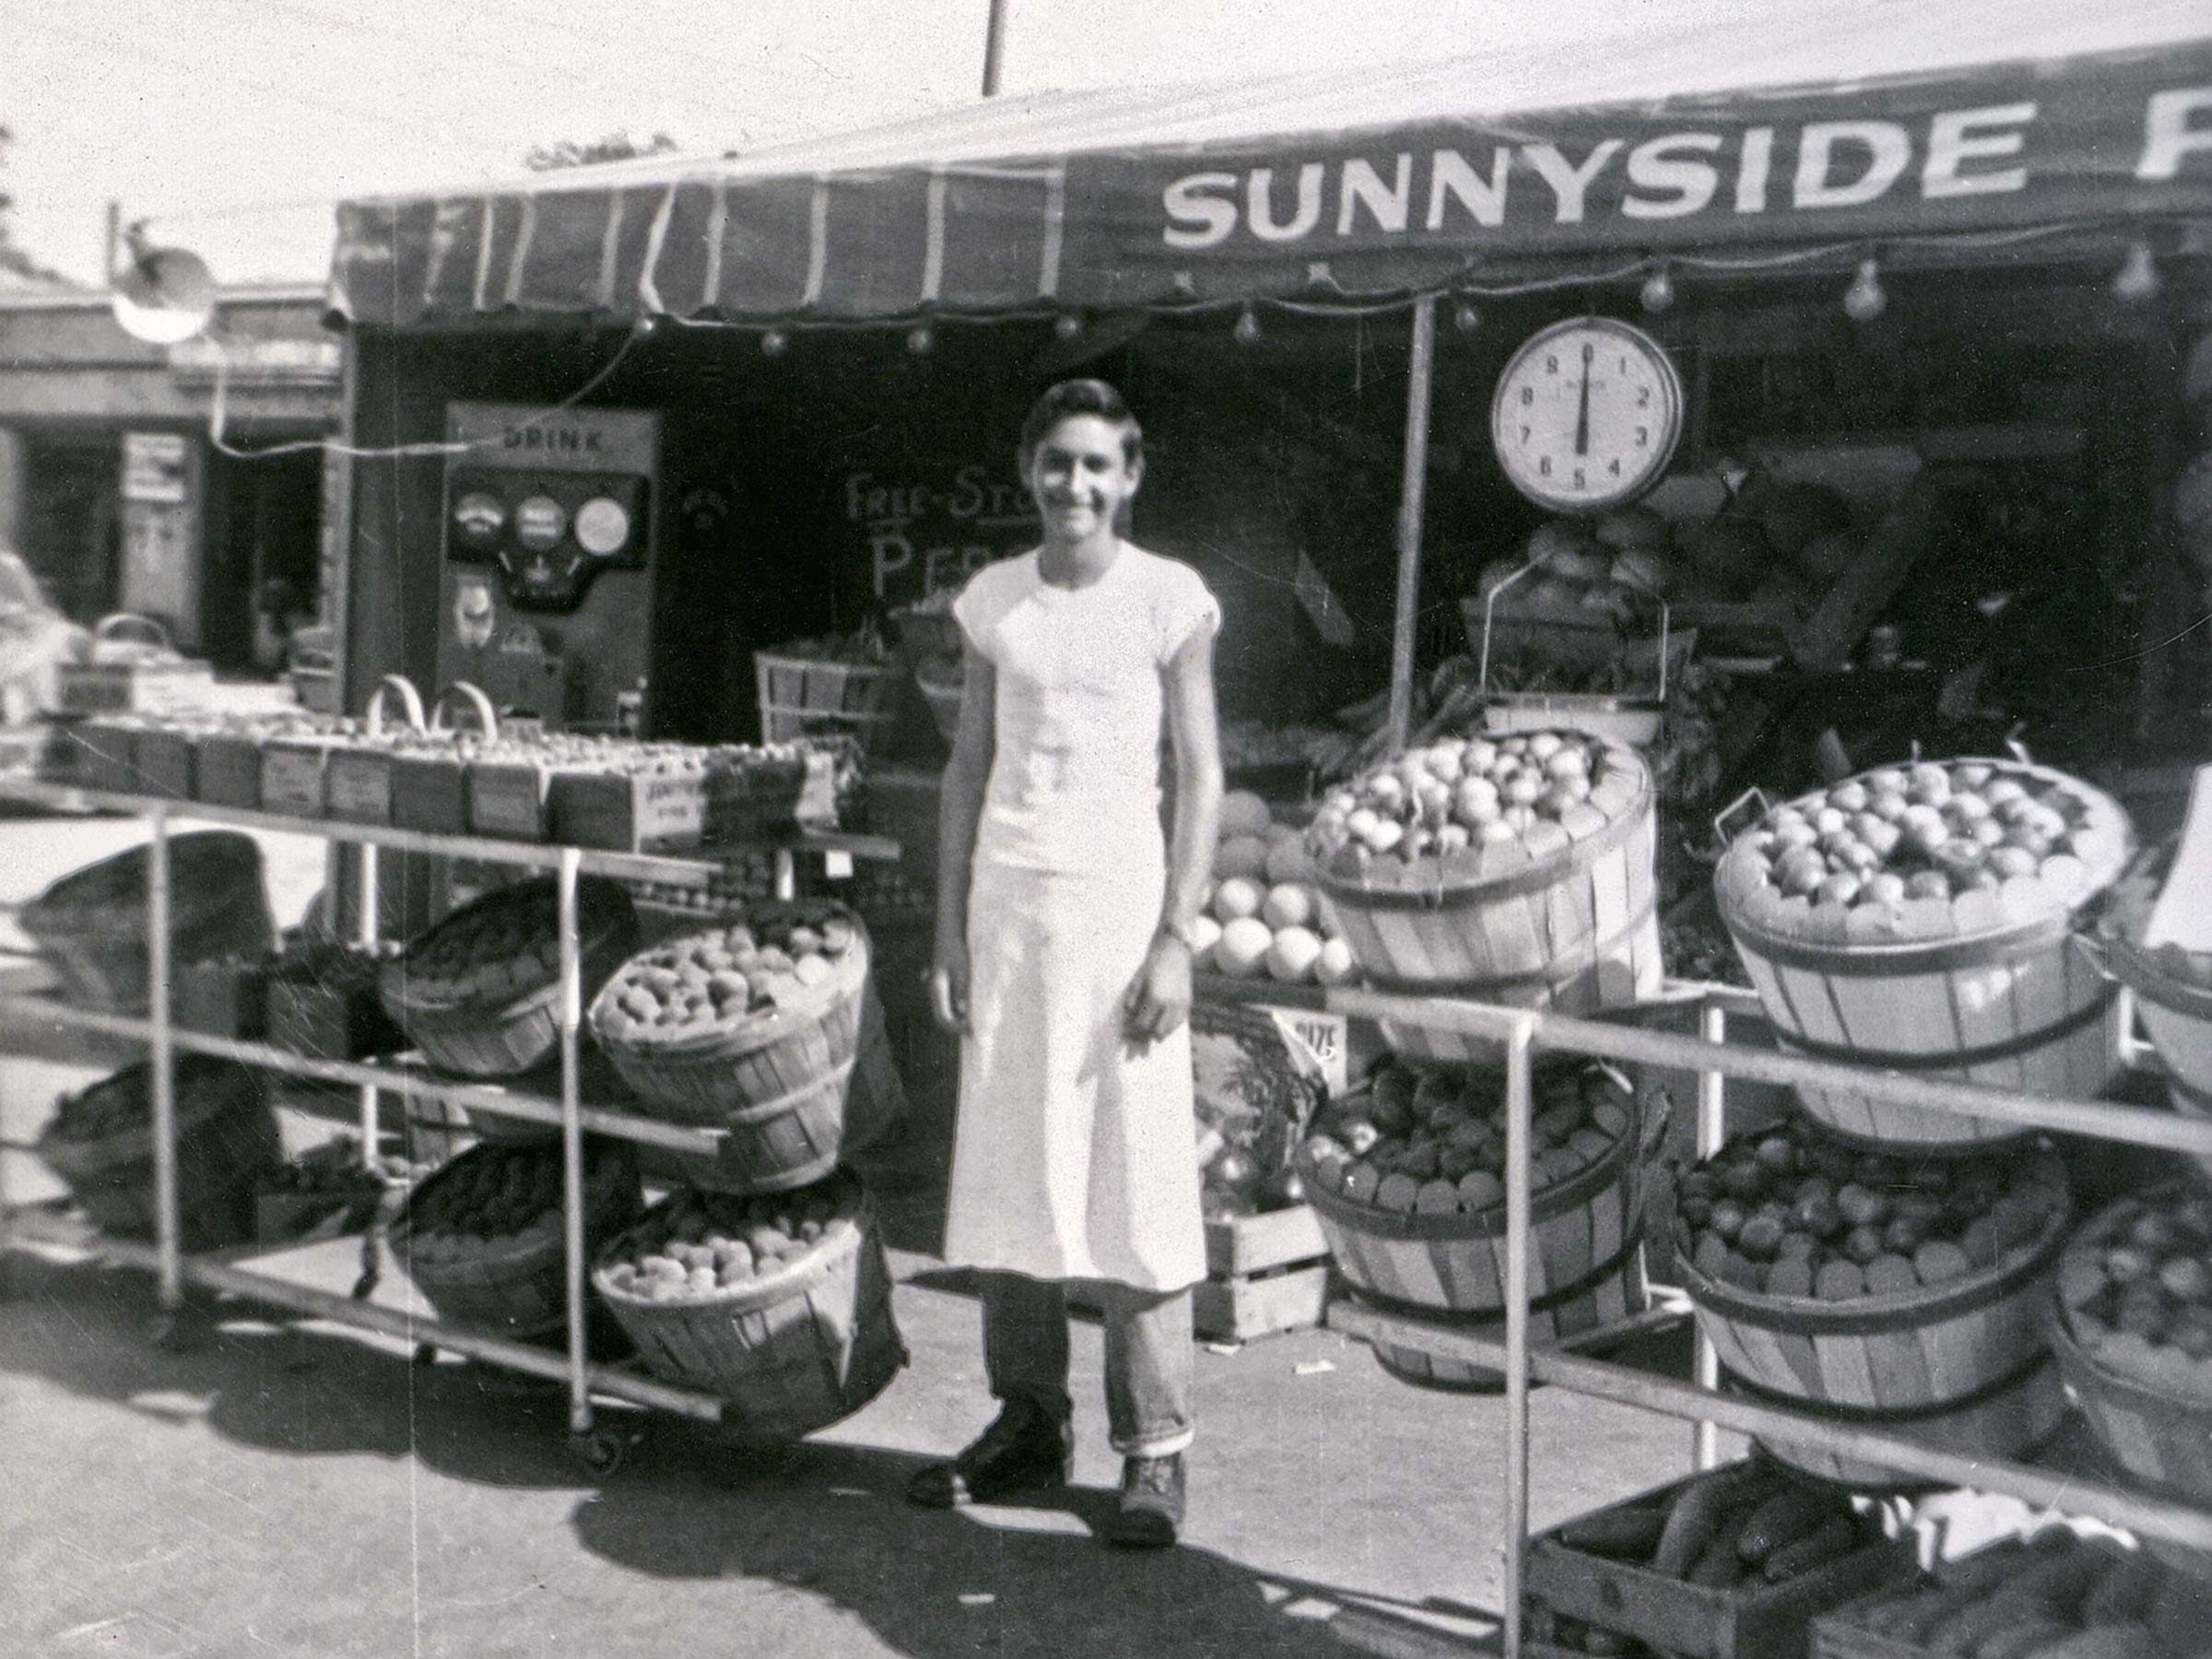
1962	123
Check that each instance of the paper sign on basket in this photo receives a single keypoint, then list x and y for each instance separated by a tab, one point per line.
1322	1035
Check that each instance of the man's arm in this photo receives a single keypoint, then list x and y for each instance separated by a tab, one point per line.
1160	1000
960	810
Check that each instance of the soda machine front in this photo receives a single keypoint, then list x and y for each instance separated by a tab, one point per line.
550	535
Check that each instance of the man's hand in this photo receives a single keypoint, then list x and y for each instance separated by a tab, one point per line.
1159	999
948	986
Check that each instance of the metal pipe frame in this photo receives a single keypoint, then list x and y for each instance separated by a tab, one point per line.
571	1017
403	1080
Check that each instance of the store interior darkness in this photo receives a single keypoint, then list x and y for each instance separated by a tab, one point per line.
1263	451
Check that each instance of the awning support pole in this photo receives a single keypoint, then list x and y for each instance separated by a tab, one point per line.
1421	373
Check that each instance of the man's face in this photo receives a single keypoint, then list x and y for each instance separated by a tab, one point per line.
1081	476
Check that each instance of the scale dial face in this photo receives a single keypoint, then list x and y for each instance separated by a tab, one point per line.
1586	415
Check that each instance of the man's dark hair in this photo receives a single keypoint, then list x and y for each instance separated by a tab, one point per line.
1082	398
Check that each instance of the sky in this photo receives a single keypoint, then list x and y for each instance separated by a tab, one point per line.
233	125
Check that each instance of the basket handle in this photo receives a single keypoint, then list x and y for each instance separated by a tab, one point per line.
1490	609
109	627
1721	818
488	717
2093	952
410	702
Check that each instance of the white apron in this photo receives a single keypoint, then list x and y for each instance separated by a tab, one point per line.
1074	1157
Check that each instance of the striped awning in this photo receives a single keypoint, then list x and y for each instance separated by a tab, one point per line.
1994	123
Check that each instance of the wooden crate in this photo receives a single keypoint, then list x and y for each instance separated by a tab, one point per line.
294	775
628	812
1755	1621
507	799
1263	1274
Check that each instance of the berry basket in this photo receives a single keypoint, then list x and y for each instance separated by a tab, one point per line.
92	925
795	1067
789	1323
478	993
100	1143
482	1235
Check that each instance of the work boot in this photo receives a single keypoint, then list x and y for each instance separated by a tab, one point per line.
1151	1502
1027	1449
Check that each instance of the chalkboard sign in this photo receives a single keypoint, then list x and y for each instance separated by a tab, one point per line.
925	529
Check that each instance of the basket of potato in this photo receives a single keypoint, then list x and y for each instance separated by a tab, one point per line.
779	1303
765	1026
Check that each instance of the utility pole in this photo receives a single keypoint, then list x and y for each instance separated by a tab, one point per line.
995	46
115	235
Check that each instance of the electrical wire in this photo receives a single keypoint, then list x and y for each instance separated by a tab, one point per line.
400	451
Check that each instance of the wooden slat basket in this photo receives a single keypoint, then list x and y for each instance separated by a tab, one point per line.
518	1287
789	1352
1934	1345
2000	1422
358	781
2012	1004
1574	930
92	924
506	1029
1610	1293
802	697
430	788
1456	1262
793	1088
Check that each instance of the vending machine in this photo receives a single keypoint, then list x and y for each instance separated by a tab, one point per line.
550	534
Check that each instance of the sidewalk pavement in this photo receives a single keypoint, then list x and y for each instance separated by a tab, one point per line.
295	1489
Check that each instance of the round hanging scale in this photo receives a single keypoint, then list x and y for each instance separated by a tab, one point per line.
1586	415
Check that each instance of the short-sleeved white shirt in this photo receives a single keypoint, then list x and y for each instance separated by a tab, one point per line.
1074	779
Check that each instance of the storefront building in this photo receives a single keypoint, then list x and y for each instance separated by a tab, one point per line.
120	492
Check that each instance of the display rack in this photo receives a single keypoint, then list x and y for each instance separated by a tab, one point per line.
1521	1034
219	1272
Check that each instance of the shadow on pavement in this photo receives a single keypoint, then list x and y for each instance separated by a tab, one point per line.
262	1379
828	1523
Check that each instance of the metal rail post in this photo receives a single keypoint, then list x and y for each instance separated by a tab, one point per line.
1518	1091
161	1065
572	1140
1713	1128
366	930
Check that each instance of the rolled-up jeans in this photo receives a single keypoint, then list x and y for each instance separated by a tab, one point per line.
1148	1357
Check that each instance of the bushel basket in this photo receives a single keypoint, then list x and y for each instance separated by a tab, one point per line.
1610	1293
788	1351
101	1143
515	1284
1988	987
92	925
792	1086
1580	1230
806	696
1571	927
501	1016
1934	1345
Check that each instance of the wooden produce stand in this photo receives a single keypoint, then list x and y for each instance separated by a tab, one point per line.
29	1020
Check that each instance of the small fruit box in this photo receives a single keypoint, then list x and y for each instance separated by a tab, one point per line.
295	773
507	786
359	785
1754	1619
628	811
226	767
144	674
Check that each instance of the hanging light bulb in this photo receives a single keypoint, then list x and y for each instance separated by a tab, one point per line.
1863	300
1465	318
1658	289
774	342
1069	326
1247	330
2138	277
921	339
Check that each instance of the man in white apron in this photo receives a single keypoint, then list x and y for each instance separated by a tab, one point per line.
1063	959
